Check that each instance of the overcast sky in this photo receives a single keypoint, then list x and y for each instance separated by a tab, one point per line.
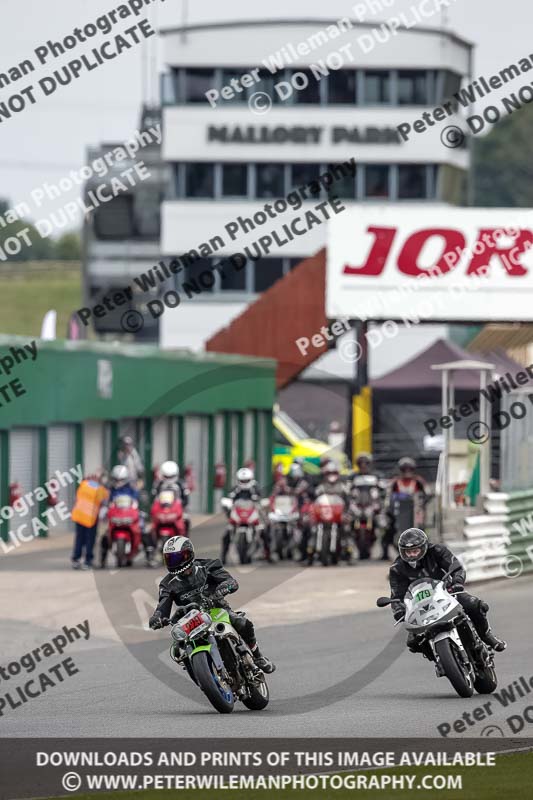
47	140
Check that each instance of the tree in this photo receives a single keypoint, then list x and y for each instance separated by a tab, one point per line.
39	249
502	171
68	247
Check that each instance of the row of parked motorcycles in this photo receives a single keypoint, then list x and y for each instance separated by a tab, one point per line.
323	528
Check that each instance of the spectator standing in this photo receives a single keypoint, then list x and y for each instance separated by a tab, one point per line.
89	498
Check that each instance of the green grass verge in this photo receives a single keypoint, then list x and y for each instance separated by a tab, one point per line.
24	302
512	777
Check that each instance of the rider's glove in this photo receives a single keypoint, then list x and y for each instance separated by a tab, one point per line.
456	587
155	622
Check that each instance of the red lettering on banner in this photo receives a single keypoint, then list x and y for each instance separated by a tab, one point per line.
408	258
521	244
378	253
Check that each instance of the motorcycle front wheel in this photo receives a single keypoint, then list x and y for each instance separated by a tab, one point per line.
219	696
243	548
453	669
120	553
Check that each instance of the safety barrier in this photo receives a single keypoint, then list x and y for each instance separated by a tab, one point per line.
499	543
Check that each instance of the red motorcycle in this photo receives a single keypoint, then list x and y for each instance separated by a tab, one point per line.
244	521
167	516
124	529
328	516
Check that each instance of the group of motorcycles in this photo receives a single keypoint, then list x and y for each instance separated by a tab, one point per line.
127	523
322	528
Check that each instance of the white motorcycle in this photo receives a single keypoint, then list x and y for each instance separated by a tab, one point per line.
283	520
443	629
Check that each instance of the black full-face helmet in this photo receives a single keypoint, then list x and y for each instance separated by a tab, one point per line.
178	555
413	545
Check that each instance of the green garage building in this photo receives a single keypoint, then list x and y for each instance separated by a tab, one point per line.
74	401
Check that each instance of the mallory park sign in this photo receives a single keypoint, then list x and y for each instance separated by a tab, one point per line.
300	134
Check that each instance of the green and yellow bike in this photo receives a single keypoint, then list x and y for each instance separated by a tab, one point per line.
207	646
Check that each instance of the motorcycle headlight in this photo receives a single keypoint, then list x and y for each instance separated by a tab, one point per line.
177	633
430	619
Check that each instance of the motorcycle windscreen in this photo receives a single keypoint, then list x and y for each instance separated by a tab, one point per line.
166	498
123	501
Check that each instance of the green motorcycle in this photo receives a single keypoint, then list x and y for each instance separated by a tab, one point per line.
207	646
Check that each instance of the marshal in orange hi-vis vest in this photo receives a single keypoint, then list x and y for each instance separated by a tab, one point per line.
89	498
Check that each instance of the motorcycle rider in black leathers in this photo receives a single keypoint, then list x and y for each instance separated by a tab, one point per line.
247	488
295	484
189	580
420	559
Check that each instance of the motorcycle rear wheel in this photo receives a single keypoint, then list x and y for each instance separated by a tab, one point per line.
259	697
486	681
208	681
453	670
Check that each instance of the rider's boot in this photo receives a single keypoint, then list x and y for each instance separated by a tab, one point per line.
485	633
497	644
261	661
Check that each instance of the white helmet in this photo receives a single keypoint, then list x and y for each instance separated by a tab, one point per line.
245	478
120	473
170	470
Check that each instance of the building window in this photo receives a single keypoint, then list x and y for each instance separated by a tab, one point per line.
303	174
266	84
235	180
342	87
197	83
451	85
198	277
377	181
231	278
411	181
412	88
270	180
303	93
267	271
377	87
344	187
238	89
199	180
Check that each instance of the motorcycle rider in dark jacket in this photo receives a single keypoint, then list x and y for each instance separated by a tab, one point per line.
420	559
188	580
247	488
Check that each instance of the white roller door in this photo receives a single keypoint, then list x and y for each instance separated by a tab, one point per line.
248	448
219	454
160	441
196	453
61	460
93	446
24	458
24	470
